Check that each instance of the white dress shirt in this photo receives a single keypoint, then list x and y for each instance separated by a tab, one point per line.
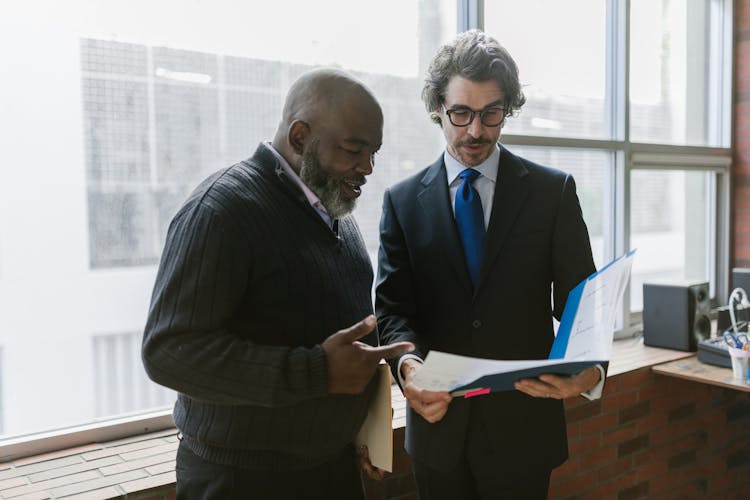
311	197
484	184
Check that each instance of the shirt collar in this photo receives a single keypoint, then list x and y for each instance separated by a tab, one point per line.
487	168
288	170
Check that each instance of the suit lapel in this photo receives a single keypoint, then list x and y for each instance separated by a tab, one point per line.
510	194
435	202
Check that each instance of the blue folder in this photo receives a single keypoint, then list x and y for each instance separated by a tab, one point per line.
504	381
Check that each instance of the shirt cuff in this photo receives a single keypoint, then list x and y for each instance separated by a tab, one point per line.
596	392
400	362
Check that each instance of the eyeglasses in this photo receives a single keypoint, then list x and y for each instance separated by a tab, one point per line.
462	117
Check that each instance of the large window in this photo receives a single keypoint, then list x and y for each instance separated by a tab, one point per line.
592	170
677	82
120	384
115	111
674	215
637	93
112	112
562	64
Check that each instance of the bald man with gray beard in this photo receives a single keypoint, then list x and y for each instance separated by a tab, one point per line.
261	314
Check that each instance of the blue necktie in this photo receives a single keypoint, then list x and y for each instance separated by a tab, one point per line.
470	222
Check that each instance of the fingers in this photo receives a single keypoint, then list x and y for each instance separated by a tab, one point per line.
550	386
351	363
363	458
560	387
585	380
374	473
357	331
431	411
432	406
412	392
565	387
537	389
392	350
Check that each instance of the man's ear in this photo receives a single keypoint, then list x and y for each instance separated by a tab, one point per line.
298	135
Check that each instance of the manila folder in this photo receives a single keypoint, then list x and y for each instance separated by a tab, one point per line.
377	431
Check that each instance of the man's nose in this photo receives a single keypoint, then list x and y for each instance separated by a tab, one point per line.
365	167
475	127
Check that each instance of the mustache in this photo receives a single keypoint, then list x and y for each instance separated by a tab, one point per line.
475	142
356	178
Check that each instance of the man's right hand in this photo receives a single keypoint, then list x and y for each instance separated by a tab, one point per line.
351	363
430	404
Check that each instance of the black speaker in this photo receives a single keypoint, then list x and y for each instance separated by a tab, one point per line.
676	316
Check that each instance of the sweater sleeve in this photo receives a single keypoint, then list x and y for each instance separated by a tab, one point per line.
187	343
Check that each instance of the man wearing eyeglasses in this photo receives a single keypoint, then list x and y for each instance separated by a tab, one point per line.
472	250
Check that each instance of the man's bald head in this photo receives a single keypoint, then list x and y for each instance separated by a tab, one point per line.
320	96
330	130
322	91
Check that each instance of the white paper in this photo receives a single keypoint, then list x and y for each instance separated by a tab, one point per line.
442	371
590	337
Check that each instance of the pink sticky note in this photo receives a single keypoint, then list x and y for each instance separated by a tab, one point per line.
478	392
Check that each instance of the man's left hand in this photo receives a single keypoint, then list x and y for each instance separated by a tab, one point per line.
560	387
363	460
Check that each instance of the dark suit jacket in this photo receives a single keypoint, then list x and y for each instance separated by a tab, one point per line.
536	241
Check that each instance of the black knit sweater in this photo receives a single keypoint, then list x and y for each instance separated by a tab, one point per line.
250	283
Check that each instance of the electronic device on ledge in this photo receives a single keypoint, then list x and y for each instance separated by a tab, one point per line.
724	318
714	351
676	314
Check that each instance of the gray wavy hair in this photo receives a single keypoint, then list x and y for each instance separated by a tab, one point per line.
478	57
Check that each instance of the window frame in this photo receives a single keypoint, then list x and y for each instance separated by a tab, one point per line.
94	432
628	157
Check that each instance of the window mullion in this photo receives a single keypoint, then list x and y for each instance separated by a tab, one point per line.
616	91
470	15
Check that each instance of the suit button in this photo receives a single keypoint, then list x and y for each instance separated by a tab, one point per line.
476	323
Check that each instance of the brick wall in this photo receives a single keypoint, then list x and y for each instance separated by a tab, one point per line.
652	436
741	170
649	436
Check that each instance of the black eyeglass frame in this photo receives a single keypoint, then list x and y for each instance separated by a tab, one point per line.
474	113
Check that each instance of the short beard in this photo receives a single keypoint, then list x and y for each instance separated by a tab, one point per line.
327	187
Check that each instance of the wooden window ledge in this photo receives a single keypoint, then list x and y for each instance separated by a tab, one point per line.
142	466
